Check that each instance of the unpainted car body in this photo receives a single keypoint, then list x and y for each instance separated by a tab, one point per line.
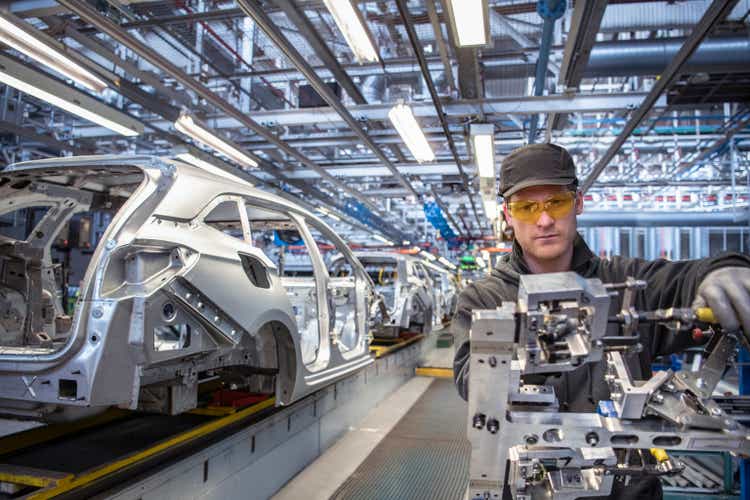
406	288
445	292
178	290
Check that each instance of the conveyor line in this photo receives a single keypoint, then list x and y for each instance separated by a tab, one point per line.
79	459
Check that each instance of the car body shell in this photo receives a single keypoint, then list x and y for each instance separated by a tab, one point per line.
159	266
408	295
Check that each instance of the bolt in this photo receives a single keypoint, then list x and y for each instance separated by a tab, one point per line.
493	425
97	313
493	361
478	420
592	438
531	439
111	244
716	411
658	398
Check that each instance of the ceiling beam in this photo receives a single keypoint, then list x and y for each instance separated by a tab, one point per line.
255	11
717	11
106	25
584	25
518	106
419	53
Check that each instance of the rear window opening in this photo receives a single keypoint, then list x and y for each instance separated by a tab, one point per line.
51	221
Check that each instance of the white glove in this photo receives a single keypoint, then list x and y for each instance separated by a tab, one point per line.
727	292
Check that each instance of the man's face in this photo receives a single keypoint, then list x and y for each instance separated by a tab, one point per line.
550	236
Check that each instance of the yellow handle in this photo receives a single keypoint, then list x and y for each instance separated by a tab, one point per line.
706	315
659	454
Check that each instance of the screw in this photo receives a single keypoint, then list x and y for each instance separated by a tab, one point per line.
493	425
531	439
493	361
111	244
478	420
716	411
658	398
97	313
592	438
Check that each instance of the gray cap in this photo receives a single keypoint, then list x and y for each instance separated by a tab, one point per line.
536	165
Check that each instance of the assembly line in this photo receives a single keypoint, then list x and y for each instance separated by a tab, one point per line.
375	250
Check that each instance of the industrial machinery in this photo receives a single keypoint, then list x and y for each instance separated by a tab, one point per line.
522	438
407	290
182	286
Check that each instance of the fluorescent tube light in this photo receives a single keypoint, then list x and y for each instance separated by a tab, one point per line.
190	127
327	213
209	167
407	127
16	33
381	238
352	26
427	255
490	208
470	21
7	76
483	142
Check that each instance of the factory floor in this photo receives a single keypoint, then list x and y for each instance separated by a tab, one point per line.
413	445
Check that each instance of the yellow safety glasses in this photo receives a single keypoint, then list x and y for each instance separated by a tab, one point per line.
556	206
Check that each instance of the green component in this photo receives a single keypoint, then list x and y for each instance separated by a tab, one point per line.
445	340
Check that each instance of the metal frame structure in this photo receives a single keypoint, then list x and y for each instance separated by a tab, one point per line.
242	74
171	296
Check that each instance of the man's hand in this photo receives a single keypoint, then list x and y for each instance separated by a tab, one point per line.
727	292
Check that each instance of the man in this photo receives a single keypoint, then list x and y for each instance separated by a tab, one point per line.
541	201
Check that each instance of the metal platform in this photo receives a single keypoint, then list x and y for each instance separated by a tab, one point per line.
426	456
247	453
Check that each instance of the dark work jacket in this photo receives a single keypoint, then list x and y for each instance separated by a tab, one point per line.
669	284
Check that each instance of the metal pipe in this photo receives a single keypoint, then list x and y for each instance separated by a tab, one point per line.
717	11
655	219
541	71
650	57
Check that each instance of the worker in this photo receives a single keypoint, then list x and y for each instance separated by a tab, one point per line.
541	203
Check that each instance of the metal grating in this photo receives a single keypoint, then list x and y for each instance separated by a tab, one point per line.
426	456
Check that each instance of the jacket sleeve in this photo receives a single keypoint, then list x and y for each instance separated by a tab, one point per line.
672	284
473	297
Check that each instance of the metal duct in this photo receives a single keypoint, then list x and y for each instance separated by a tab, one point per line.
646	219
650	57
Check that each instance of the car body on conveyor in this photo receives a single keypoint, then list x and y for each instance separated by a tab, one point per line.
180	279
445	292
406	287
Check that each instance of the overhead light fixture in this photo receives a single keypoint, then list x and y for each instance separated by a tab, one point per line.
48	89
427	255
352	25
490	208
193	159
407	127
198	132
483	142
19	35
384	240
470	22
327	213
